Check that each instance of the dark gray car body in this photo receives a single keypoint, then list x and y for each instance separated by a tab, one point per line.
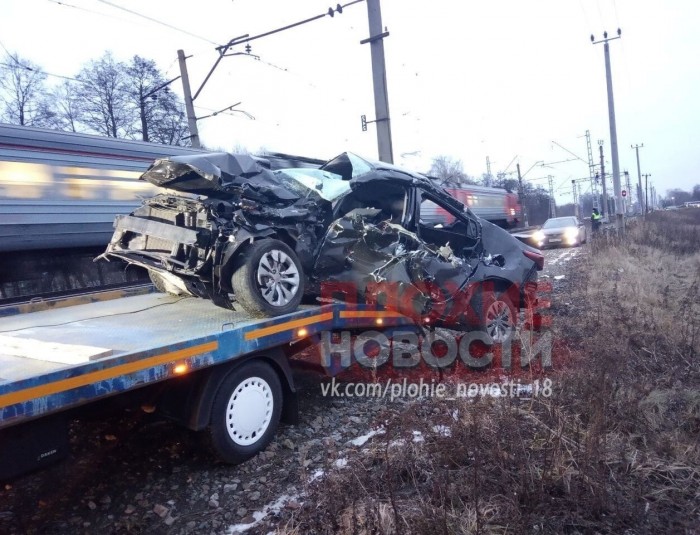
339	223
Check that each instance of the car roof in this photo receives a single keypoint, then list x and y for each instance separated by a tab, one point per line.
562	218
371	171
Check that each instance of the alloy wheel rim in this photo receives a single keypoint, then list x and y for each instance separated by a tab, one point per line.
499	321
277	277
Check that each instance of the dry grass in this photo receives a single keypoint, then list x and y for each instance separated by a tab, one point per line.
615	449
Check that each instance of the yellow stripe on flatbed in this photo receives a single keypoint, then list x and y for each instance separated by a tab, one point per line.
370	314
101	375
274	329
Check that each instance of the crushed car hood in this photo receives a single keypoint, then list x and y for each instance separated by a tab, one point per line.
222	175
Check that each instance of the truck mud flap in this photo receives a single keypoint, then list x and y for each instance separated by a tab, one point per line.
31	446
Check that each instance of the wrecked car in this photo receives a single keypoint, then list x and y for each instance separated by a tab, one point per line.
231	230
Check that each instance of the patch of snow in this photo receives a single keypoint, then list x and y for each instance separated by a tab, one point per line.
341	463
418	437
442	430
559	258
258	516
316	475
360	441
559	277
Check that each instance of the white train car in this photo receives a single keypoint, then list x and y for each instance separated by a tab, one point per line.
63	190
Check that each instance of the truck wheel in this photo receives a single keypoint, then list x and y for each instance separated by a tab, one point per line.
245	412
269	281
497	316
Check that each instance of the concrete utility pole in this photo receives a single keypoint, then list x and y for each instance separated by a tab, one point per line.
576	207
646	193
604	211
591	170
189	105
552	203
613	132
628	199
639	178
521	195
381	94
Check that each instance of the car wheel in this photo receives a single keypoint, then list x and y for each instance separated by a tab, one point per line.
162	285
245	412
497	315
269	280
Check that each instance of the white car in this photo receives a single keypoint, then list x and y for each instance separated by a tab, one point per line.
558	231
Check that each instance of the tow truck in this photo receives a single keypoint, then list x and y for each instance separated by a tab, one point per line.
212	370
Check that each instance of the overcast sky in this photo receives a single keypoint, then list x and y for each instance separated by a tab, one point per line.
509	79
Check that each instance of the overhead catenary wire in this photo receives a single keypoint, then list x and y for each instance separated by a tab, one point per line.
40	71
157	21
80	8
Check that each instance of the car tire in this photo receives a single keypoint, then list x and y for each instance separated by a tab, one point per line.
268	279
497	316
162	285
245	412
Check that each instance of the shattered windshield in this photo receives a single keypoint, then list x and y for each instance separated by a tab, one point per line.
329	186
348	166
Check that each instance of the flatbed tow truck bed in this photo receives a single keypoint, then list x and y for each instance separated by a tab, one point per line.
55	360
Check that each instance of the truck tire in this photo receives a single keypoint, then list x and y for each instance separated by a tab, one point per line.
245	412
269	279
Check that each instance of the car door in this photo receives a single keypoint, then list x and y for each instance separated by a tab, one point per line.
454	235
440	224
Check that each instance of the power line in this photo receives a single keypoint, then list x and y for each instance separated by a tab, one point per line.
158	22
80	8
40	71
617	18
585	15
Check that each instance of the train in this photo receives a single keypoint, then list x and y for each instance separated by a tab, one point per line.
62	190
493	204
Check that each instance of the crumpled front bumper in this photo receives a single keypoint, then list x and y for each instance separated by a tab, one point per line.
140	251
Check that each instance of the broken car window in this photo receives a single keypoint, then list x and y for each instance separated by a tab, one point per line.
439	225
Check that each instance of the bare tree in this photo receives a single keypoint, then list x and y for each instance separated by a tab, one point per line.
22	93
677	196
537	203
104	98
169	125
160	115
66	107
502	181
449	172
